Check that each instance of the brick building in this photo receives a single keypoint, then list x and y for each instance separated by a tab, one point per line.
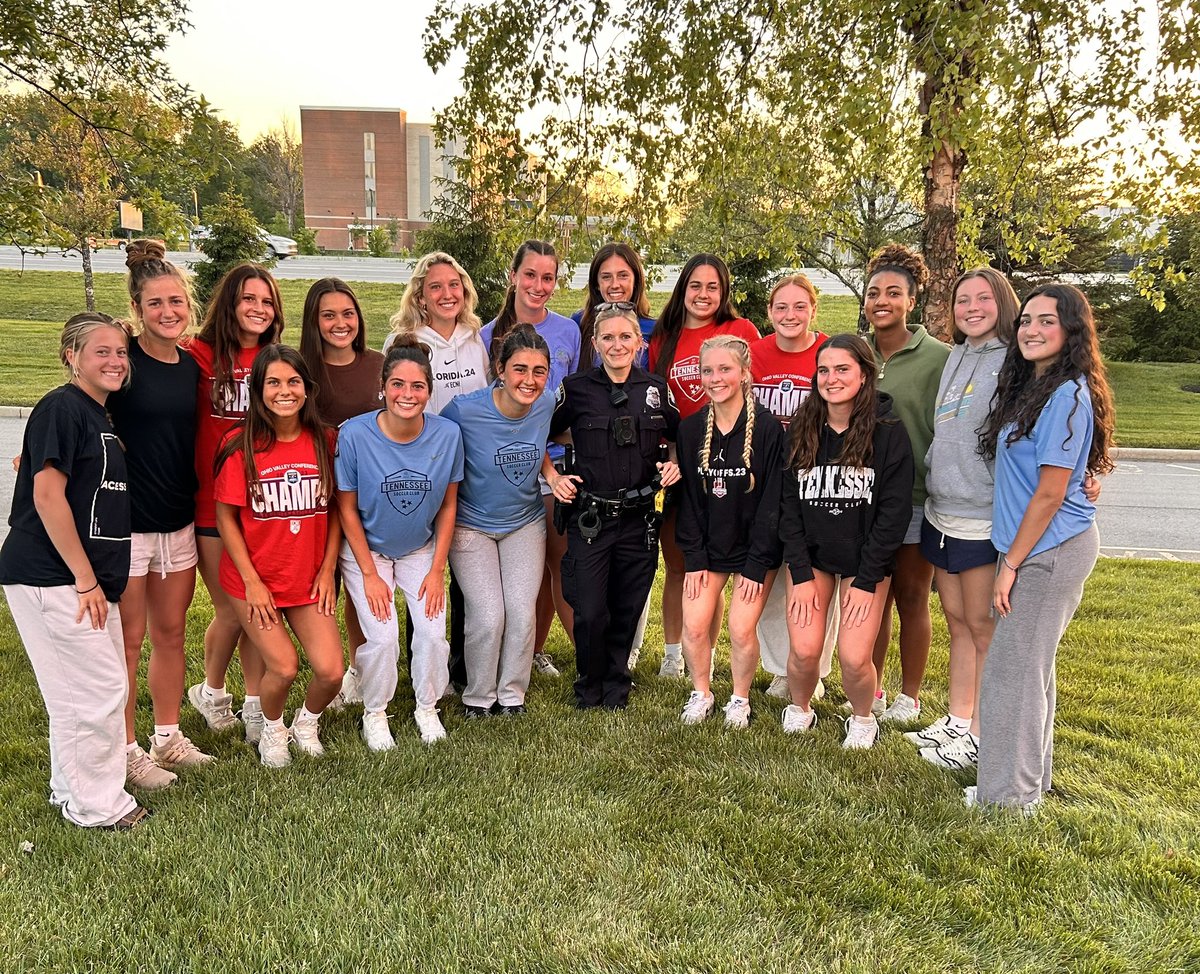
364	168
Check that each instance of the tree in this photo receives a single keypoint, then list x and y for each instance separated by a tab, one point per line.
233	238
276	165
84	171
71	52
919	88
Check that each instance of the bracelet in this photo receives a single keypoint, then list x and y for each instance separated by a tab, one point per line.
86	590
1011	568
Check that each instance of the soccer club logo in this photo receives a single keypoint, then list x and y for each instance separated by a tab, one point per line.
517	460
719	488
686	372
406	490
294	527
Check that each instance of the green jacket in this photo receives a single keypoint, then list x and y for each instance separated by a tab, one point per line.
911	378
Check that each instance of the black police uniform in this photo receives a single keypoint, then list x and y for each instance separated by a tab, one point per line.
612	528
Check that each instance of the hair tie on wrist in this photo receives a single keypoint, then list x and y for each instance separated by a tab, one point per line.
1011	568
86	590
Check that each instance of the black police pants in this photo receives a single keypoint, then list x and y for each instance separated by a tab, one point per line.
606	583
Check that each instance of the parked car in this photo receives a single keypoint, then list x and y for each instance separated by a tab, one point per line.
277	247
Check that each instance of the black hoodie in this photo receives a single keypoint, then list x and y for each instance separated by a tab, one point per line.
849	521
721	527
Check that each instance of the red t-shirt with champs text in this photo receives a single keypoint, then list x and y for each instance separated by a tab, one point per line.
212	423
683	378
783	380
286	529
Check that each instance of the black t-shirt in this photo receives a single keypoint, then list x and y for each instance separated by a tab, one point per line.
156	420
69	430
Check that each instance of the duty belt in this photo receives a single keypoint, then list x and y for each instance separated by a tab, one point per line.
619	502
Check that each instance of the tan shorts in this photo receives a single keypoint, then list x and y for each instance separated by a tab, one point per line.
163	553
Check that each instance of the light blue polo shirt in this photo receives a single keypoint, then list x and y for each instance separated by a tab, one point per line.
499	492
1058	439
400	485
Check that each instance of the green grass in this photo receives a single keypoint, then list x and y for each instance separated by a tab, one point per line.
1152	408
599	842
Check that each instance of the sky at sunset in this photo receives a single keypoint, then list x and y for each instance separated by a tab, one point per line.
257	63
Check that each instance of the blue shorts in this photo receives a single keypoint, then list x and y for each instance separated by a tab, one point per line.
954	555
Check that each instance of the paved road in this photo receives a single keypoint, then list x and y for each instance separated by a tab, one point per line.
386	269
1147	509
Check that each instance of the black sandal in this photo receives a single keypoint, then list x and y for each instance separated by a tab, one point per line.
130	819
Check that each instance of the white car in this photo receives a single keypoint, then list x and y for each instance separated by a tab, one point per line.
277	247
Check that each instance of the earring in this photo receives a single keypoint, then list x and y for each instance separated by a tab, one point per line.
379	395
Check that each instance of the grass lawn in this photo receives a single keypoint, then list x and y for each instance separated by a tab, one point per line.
1152	408
602	842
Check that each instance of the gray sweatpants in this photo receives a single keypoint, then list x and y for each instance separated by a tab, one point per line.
500	575
1016	697
773	632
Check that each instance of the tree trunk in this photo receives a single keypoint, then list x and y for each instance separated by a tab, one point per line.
943	175
89	282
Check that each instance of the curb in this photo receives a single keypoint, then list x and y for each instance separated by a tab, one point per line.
1133	454
15	412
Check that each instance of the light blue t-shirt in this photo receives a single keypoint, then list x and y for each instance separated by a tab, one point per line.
1018	468
400	485
499	492
562	335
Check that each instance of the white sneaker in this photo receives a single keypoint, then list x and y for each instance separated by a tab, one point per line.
903	709
543	663
217	711
878	705
959	754
938	733
860	735
779	688
971	800
698	707
351	691
796	721
635	654
306	736
177	752
273	747
429	725
141	772
376	733
737	714
672	666
252	717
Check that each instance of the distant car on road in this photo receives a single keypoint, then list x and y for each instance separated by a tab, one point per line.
277	247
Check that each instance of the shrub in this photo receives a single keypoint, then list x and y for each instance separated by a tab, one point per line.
233	238
306	241
379	242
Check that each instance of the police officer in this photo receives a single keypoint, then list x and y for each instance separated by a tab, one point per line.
617	416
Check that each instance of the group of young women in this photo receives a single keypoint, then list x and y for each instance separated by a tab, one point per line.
543	461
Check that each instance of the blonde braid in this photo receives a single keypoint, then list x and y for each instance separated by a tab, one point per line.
706	447
747	448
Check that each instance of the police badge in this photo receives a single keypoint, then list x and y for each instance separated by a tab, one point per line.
653	400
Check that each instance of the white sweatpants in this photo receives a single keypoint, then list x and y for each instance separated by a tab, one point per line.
377	658
81	673
773	632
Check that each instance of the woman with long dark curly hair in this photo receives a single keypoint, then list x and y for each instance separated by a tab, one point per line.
845	506
1052	425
